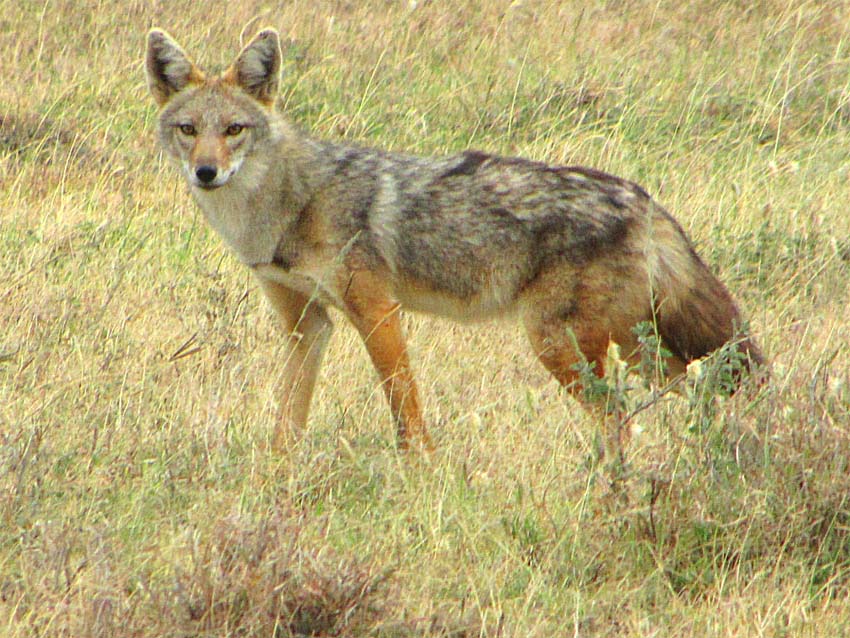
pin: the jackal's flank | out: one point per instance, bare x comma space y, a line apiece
579, 255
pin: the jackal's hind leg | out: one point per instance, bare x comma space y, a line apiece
566, 348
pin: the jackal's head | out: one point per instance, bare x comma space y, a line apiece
210, 125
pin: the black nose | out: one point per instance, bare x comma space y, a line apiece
206, 174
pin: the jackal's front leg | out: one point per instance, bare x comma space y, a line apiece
308, 328
373, 312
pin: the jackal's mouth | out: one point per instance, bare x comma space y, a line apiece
211, 186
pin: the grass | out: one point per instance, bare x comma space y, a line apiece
139, 364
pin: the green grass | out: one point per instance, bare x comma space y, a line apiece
139, 366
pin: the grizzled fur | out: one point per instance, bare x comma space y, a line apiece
579, 255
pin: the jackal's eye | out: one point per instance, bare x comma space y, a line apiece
187, 129
234, 129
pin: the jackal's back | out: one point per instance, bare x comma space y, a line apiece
478, 229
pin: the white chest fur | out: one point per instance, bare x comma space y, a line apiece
247, 220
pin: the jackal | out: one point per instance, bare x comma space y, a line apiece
579, 255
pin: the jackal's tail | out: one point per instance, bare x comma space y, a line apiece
695, 314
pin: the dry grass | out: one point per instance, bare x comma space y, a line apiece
139, 366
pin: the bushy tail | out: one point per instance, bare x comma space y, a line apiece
695, 314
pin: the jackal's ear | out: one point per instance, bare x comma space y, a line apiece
168, 67
257, 68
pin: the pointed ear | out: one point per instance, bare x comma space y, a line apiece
257, 68
168, 68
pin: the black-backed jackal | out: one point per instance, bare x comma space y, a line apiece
581, 256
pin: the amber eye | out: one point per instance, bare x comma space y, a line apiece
187, 129
234, 129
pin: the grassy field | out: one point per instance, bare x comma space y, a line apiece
139, 365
